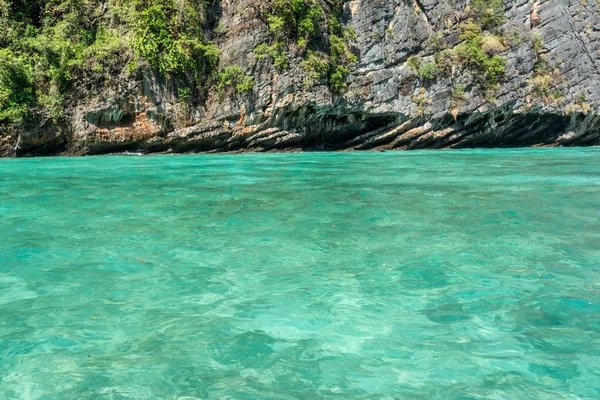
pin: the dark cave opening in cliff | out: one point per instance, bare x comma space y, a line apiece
335, 131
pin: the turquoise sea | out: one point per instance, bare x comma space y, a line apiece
408, 275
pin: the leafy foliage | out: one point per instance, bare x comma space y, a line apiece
276, 52
491, 44
458, 93
414, 63
428, 71
478, 53
295, 20
301, 27
16, 91
337, 78
167, 39
488, 67
54, 51
488, 13
316, 67
469, 30
444, 61
233, 78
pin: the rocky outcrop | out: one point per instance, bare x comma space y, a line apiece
387, 104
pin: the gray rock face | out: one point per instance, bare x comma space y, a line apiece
386, 104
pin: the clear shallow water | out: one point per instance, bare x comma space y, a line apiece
454, 275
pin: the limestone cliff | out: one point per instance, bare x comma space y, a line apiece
407, 88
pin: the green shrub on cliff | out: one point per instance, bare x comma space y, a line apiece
302, 28
165, 41
469, 31
429, 71
276, 51
292, 23
316, 67
488, 68
68, 49
50, 39
479, 53
295, 20
337, 78
488, 13
444, 61
458, 92
16, 90
414, 63
233, 79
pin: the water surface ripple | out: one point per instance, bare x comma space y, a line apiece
422, 275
